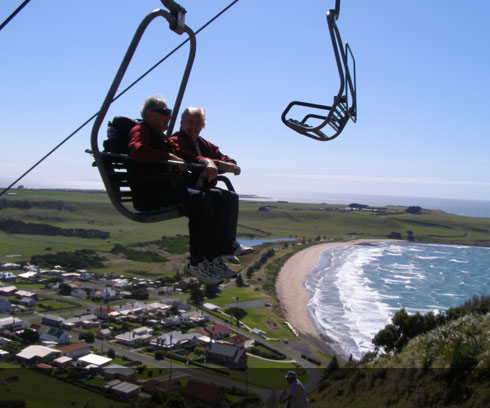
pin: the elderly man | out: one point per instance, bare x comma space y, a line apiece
296, 395
154, 185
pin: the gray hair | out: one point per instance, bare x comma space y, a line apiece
152, 102
194, 111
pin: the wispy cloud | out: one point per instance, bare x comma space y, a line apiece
378, 179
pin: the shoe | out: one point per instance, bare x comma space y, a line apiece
239, 249
218, 267
202, 271
232, 258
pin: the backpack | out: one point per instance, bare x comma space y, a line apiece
118, 130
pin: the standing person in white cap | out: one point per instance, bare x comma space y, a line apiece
296, 395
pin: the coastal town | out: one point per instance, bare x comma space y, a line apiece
132, 337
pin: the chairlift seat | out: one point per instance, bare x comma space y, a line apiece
344, 105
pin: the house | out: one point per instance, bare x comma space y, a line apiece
194, 317
5, 306
211, 307
237, 340
125, 389
85, 321
188, 282
75, 350
180, 306
107, 294
155, 385
225, 354
103, 312
11, 323
93, 360
116, 371
4, 355
29, 302
8, 290
62, 361
104, 334
7, 277
136, 337
53, 320
37, 354
19, 294
78, 293
174, 340
258, 332
208, 393
10, 265
217, 331
55, 334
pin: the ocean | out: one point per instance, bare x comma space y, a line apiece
356, 289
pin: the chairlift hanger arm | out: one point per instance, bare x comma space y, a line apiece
179, 13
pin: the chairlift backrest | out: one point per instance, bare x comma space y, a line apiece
344, 106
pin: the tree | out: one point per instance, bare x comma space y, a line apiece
174, 400
332, 366
197, 296
158, 355
29, 336
64, 289
236, 312
88, 337
239, 281
111, 353
414, 209
211, 291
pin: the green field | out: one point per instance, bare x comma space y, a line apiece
42, 391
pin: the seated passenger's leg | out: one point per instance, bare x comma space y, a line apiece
198, 207
223, 224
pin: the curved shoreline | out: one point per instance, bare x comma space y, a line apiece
292, 295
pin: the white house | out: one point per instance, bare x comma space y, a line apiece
79, 293
93, 360
107, 294
136, 337
55, 334
35, 354
11, 324
7, 277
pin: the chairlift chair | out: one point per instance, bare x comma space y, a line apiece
344, 105
113, 168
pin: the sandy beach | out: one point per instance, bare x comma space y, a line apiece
291, 293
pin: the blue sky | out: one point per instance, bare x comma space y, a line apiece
422, 77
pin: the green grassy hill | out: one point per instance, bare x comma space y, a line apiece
446, 366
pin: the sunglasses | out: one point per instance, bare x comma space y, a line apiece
163, 111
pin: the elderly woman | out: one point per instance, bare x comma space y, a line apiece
153, 185
193, 148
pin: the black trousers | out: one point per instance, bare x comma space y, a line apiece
212, 213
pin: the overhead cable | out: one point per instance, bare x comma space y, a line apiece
115, 98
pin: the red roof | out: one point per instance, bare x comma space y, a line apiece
44, 366
202, 391
73, 347
216, 329
237, 339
